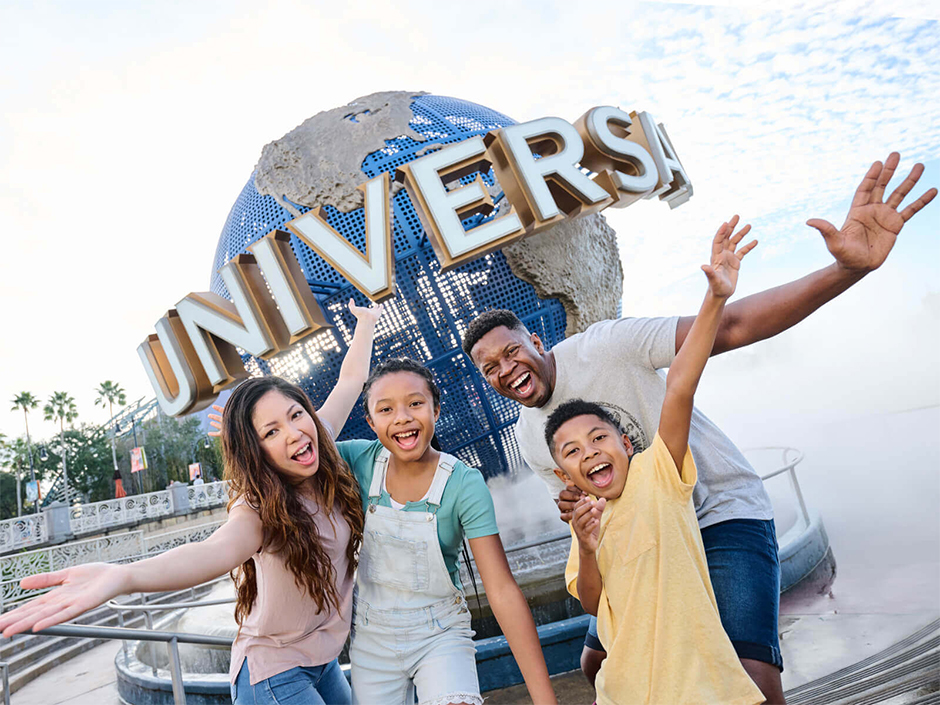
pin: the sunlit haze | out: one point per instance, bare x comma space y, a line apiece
128, 131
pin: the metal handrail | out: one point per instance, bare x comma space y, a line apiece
789, 467
5, 667
171, 639
168, 605
149, 609
786, 465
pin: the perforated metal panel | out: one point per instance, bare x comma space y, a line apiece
431, 309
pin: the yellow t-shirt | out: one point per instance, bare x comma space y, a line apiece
657, 615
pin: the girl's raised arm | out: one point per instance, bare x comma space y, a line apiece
354, 371
512, 612
352, 374
84, 587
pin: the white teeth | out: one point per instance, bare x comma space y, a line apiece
597, 468
301, 451
519, 382
406, 434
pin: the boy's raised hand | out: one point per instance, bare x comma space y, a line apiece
722, 272
586, 521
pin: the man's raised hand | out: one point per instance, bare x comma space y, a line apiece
872, 226
726, 258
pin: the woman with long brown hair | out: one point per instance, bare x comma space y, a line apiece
291, 540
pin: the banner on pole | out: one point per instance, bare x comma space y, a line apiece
195, 470
138, 459
32, 491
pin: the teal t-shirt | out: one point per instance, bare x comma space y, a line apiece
466, 506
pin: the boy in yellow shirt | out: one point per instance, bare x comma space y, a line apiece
638, 558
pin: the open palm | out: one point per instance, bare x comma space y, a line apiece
80, 589
722, 271
872, 225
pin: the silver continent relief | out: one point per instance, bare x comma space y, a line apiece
319, 163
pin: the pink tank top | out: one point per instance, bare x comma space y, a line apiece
284, 628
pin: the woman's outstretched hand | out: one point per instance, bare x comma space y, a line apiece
81, 588
215, 421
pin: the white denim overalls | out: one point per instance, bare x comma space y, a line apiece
411, 624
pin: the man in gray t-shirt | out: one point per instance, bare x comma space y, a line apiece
615, 363
627, 353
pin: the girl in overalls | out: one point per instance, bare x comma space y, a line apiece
411, 623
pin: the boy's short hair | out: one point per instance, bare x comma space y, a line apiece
487, 321
571, 409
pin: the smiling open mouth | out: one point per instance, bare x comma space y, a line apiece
406, 439
601, 475
522, 385
304, 456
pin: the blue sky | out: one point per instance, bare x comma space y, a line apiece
128, 130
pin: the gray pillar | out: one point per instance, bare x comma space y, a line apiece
58, 521
179, 495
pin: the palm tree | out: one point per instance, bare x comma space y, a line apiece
108, 393
3, 453
26, 401
61, 408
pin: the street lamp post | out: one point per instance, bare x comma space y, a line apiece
206, 445
117, 428
32, 474
19, 500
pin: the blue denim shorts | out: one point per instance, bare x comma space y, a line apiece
745, 574
301, 685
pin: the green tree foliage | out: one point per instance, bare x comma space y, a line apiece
14, 456
26, 401
171, 444
7, 493
61, 408
110, 393
88, 450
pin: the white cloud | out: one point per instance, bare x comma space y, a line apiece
126, 138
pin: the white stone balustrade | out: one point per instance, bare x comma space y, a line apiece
116, 548
211, 494
114, 512
171, 539
23, 531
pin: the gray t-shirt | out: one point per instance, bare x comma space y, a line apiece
614, 364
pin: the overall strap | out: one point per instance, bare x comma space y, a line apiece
378, 474
445, 466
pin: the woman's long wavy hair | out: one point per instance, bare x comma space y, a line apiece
288, 529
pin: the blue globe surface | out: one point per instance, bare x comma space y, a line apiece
431, 309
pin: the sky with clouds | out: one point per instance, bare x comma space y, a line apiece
128, 130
